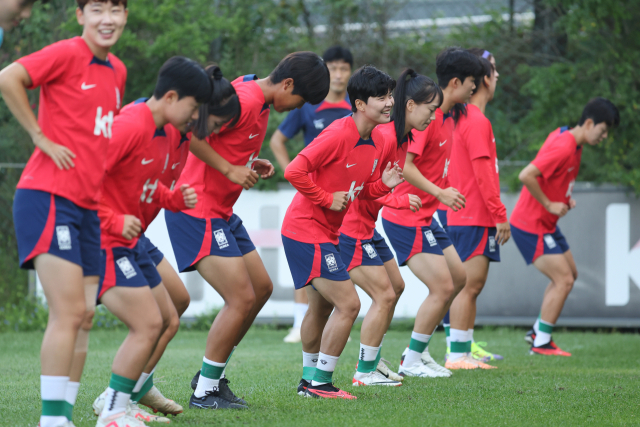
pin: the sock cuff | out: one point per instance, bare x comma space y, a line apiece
368, 347
545, 326
321, 376
326, 356
212, 370
458, 347
212, 363
121, 384
420, 337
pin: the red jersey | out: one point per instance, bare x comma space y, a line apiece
337, 160
431, 158
360, 220
79, 97
138, 157
239, 145
559, 162
473, 140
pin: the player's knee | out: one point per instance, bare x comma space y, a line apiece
264, 291
87, 320
244, 301
387, 298
459, 281
174, 324
398, 288
350, 308
72, 316
182, 303
566, 283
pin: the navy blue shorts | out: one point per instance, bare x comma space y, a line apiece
409, 241
156, 255
308, 261
46, 223
441, 217
471, 241
357, 252
129, 267
195, 238
532, 246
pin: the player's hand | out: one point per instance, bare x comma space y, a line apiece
61, 155
190, 196
452, 198
414, 203
243, 176
340, 199
558, 208
264, 168
572, 203
503, 233
132, 227
392, 176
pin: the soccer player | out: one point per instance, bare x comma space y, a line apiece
546, 197
313, 119
477, 231
211, 238
329, 174
56, 202
12, 12
130, 285
418, 240
367, 256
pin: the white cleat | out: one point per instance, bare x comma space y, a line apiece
98, 404
383, 369
419, 370
119, 420
158, 403
293, 336
373, 378
133, 411
432, 364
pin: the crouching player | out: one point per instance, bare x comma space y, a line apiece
546, 197
329, 174
130, 285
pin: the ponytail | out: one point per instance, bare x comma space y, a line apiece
224, 103
411, 85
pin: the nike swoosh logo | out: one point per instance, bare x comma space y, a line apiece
253, 136
146, 162
348, 165
442, 143
570, 169
86, 86
173, 166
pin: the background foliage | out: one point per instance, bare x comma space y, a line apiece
549, 67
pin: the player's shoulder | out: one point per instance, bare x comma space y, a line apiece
135, 120
63, 51
561, 139
117, 64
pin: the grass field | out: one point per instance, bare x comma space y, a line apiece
599, 385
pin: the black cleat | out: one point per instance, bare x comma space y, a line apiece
212, 400
302, 387
227, 394
194, 381
530, 336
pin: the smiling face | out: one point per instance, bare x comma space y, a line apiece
418, 116
13, 11
103, 24
377, 109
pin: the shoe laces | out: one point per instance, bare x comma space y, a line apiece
215, 392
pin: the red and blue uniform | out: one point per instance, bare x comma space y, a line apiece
337, 160
360, 242
212, 228
533, 228
411, 233
313, 119
474, 172
138, 156
55, 211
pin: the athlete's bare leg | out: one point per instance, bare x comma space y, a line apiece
82, 341
561, 269
300, 296
315, 321
170, 325
397, 282
463, 309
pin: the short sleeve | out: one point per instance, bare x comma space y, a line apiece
292, 124
551, 159
421, 139
325, 148
48, 64
479, 139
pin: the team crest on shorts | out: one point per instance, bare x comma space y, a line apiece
548, 239
221, 238
430, 238
370, 251
64, 237
492, 244
332, 265
126, 267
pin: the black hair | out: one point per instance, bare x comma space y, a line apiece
82, 3
224, 103
309, 73
338, 53
600, 110
455, 62
367, 81
186, 77
488, 69
412, 85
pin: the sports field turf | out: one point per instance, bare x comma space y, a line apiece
599, 385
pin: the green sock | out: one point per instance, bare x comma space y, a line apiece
144, 390
459, 347
322, 377
308, 373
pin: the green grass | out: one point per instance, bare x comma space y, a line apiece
599, 385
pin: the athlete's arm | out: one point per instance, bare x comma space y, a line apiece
528, 176
450, 196
483, 170
181, 198
14, 80
240, 175
277, 144
297, 173
406, 201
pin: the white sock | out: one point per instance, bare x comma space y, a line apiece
457, 336
536, 325
325, 363
470, 332
115, 403
414, 356
53, 389
309, 360
299, 310
141, 381
368, 353
542, 338
71, 394
208, 384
